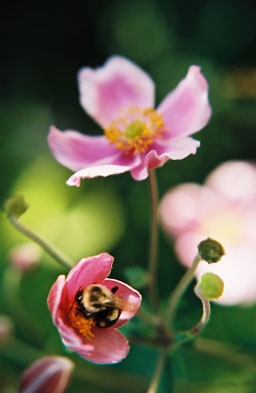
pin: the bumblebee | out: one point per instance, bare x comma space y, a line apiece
100, 304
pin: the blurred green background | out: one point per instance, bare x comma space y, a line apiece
43, 47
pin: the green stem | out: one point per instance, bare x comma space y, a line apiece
112, 380
154, 384
225, 351
205, 314
153, 241
179, 291
35, 238
19, 352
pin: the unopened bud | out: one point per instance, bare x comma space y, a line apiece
211, 286
15, 206
210, 250
25, 257
49, 374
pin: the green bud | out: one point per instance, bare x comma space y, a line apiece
210, 250
211, 286
15, 206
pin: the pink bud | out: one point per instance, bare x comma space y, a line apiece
25, 257
49, 374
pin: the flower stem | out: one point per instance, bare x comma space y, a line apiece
179, 291
154, 384
35, 238
153, 241
206, 312
19, 352
225, 351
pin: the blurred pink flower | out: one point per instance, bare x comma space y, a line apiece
49, 374
223, 209
120, 98
25, 257
84, 314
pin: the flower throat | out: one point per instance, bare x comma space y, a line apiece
135, 130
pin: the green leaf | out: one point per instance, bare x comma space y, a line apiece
137, 276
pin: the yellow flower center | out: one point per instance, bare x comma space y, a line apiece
135, 130
78, 321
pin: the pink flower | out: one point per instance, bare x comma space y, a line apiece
87, 308
25, 257
120, 98
223, 209
49, 374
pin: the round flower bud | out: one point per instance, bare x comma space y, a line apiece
210, 250
15, 206
211, 286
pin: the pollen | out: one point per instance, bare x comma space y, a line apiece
78, 321
135, 130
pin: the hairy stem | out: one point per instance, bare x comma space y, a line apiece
154, 384
153, 241
205, 314
225, 351
179, 291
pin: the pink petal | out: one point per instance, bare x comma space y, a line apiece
49, 374
185, 207
55, 296
172, 149
179, 208
58, 303
83, 348
131, 297
104, 170
72, 339
76, 151
239, 173
118, 84
90, 156
186, 109
88, 271
249, 222
109, 346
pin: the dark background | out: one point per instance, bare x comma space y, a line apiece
42, 47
